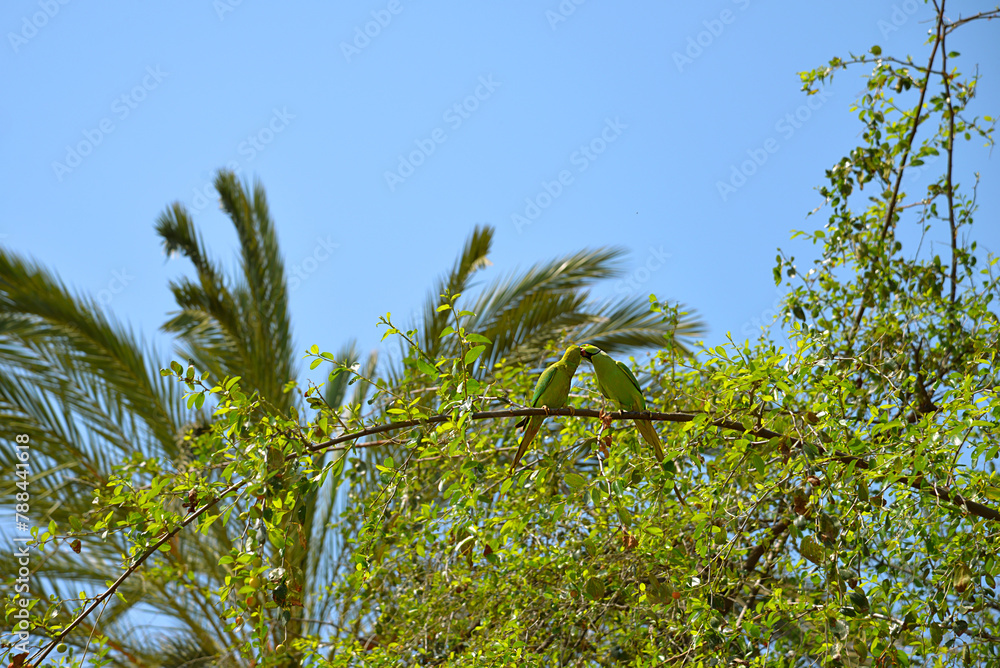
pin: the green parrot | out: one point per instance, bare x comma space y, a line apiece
551, 391
617, 383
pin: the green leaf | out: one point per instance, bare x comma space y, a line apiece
859, 600
861, 649
477, 338
575, 480
624, 516
473, 353
427, 368
594, 589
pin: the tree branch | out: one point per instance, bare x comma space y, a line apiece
915, 482
44, 652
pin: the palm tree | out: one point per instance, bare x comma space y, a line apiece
85, 390
88, 391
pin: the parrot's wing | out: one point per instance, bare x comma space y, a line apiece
631, 377
544, 382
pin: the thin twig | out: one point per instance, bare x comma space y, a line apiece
891, 212
44, 652
951, 152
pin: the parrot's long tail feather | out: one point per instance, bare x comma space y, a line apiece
645, 428
529, 436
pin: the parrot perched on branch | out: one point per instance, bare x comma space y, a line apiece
617, 383
551, 391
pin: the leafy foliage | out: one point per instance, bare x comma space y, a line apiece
124, 460
830, 501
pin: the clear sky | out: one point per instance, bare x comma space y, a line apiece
384, 130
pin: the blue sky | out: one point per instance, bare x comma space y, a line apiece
384, 131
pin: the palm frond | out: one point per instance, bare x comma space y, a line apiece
72, 333
570, 273
264, 276
618, 327
520, 333
176, 229
472, 259
242, 328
